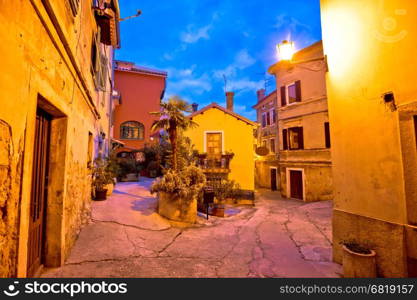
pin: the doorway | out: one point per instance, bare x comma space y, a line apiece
39, 192
273, 179
296, 184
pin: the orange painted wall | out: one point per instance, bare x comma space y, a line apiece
140, 94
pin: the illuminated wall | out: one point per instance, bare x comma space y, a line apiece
371, 46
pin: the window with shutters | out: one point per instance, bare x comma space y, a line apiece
293, 138
132, 130
99, 64
268, 118
263, 120
273, 116
327, 134
291, 93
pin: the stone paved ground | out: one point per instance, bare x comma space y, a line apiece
276, 238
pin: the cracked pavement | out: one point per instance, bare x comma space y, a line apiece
276, 238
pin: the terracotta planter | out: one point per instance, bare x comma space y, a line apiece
101, 195
110, 188
175, 208
218, 211
358, 265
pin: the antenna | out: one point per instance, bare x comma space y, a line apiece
225, 83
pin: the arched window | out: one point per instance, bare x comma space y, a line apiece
132, 130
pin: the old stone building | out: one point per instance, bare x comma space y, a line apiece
141, 91
266, 166
372, 92
54, 109
303, 126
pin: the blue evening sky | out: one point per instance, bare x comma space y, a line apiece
198, 42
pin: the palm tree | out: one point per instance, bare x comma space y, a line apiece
173, 120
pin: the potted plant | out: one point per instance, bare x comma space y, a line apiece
182, 182
359, 260
223, 189
177, 193
101, 177
114, 169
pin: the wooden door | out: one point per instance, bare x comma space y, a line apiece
273, 179
296, 184
214, 144
39, 192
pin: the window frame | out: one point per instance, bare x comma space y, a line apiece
272, 141
141, 126
287, 93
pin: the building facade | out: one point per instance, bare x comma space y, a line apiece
54, 101
303, 126
225, 141
372, 92
140, 91
266, 166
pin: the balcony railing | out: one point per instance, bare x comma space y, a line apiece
215, 164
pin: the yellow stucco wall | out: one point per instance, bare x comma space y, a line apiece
366, 60
238, 138
370, 47
36, 63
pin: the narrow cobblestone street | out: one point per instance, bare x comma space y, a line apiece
276, 238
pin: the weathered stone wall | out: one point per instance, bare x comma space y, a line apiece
263, 173
38, 71
10, 170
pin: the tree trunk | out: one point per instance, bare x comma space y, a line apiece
173, 140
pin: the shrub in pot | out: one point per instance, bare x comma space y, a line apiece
359, 260
177, 193
101, 178
223, 189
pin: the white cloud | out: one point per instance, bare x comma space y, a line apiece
241, 61
193, 35
245, 84
290, 23
187, 83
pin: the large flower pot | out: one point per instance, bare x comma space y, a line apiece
358, 265
110, 188
101, 195
176, 208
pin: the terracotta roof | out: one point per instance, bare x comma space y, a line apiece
225, 110
131, 67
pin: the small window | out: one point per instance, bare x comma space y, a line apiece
263, 120
272, 145
295, 138
268, 118
291, 93
327, 134
132, 130
273, 116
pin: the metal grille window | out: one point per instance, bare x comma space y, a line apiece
132, 130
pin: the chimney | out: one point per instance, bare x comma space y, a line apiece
195, 107
229, 100
261, 94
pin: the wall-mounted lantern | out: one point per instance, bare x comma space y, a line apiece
286, 50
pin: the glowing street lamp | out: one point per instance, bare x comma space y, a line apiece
286, 50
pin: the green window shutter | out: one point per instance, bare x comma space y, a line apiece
103, 71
